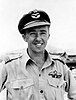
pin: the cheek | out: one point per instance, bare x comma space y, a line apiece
46, 39
29, 40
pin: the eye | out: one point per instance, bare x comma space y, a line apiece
32, 34
43, 33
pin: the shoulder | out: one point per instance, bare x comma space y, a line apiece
59, 60
56, 58
9, 57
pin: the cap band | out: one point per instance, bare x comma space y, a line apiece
35, 23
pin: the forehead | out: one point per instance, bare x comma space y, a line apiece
38, 28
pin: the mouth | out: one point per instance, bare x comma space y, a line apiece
38, 44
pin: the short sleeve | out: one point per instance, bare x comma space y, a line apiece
3, 75
71, 82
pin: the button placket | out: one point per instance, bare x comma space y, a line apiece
42, 97
41, 91
41, 85
39, 75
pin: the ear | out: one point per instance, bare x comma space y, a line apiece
48, 36
24, 37
48, 32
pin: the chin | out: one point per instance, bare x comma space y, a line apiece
38, 51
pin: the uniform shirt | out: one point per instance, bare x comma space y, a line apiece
23, 81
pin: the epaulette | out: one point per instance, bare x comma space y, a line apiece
56, 57
11, 56
58, 60
7, 61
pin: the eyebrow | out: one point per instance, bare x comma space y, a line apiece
43, 30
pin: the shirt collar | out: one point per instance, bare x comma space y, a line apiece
25, 57
48, 59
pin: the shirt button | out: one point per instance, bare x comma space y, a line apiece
57, 86
39, 74
21, 87
41, 91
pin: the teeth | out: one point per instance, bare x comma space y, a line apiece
38, 44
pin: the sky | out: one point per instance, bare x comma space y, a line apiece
63, 24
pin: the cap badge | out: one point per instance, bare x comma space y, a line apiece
35, 15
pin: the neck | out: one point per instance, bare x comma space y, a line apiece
34, 54
38, 57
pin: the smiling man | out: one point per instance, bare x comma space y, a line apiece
37, 38
33, 74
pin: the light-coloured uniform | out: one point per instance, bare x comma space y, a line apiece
23, 81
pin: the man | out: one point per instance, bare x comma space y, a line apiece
32, 74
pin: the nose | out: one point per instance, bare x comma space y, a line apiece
38, 37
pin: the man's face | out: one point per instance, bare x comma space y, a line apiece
37, 38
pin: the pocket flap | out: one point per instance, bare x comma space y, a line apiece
22, 83
53, 82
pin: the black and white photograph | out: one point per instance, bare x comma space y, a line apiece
37, 49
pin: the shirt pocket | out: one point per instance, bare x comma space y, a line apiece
21, 88
57, 86
56, 82
52, 81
